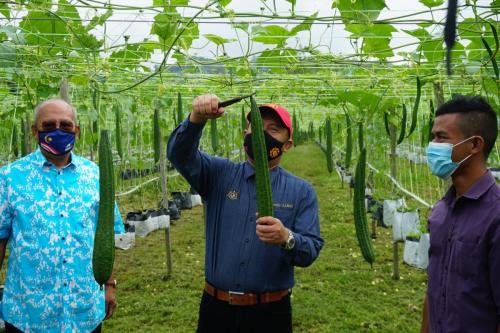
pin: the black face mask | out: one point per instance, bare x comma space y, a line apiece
274, 148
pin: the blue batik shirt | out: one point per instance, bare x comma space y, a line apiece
235, 258
49, 217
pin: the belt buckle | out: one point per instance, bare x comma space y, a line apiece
231, 293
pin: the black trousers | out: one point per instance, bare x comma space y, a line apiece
217, 316
12, 329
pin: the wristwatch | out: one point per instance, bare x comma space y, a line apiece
112, 283
290, 242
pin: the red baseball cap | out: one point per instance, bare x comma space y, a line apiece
281, 112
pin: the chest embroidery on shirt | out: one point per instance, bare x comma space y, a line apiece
233, 195
283, 205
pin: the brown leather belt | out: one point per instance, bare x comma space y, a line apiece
239, 298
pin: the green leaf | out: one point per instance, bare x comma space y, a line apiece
130, 56
373, 42
165, 25
217, 39
99, 19
495, 6
271, 34
241, 26
431, 3
224, 3
433, 50
359, 10
420, 33
4, 10
42, 28
305, 25
7, 55
191, 33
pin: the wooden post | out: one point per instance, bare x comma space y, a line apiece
395, 260
64, 90
374, 228
164, 204
393, 157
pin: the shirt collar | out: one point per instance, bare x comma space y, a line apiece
40, 160
480, 187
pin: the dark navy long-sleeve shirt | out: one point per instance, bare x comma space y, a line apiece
464, 260
236, 259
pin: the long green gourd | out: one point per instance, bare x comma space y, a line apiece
243, 120
360, 222
179, 108
403, 125
15, 139
156, 135
104, 239
414, 116
348, 146
213, 135
386, 123
329, 144
24, 139
360, 136
262, 178
118, 131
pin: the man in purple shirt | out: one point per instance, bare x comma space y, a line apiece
463, 292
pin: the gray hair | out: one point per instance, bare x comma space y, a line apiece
41, 105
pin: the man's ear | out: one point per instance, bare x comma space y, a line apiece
287, 145
77, 131
34, 131
477, 145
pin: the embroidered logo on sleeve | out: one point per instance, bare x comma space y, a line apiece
233, 195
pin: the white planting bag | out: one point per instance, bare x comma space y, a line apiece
405, 224
144, 228
125, 241
423, 251
410, 252
196, 200
390, 207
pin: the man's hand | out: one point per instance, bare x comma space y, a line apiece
205, 107
111, 303
270, 230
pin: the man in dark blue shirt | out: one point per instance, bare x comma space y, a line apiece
249, 261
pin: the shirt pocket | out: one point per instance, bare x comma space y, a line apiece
466, 259
285, 215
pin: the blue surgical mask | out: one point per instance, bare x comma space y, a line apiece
439, 158
56, 142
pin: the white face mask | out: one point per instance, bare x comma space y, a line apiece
439, 158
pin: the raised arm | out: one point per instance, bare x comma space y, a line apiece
197, 167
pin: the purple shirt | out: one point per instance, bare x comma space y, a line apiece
464, 260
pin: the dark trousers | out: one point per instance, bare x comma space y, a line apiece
219, 317
12, 329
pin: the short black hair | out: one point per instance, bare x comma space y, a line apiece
477, 117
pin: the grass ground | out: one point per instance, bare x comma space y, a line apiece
338, 293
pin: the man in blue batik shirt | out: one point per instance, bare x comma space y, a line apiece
48, 212
249, 261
